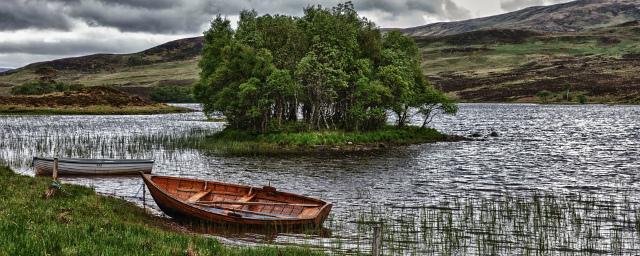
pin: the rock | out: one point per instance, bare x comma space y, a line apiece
349, 143
494, 134
476, 135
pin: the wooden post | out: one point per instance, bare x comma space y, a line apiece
55, 168
144, 197
376, 246
51, 191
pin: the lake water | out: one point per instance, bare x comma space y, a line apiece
563, 151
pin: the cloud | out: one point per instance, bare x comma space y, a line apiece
18, 48
180, 16
17, 14
513, 5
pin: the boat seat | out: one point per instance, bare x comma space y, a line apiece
246, 198
197, 196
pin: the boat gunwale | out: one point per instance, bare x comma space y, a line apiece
96, 161
149, 177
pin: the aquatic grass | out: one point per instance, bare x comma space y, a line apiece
539, 224
81, 222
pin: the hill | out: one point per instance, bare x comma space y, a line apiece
512, 66
4, 69
589, 46
568, 17
173, 63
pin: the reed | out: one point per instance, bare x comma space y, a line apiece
506, 225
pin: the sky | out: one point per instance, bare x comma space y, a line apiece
40, 30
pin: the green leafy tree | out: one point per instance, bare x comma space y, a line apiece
331, 66
169, 93
435, 102
216, 39
544, 96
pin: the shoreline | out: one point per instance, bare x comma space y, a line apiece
80, 221
93, 110
232, 142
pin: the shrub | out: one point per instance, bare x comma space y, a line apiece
172, 93
582, 99
42, 87
544, 95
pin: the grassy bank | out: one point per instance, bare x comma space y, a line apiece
92, 110
84, 223
247, 143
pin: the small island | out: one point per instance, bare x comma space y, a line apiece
328, 80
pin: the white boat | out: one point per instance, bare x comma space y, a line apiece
75, 166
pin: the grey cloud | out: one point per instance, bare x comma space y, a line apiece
444, 9
24, 14
187, 16
177, 19
513, 5
71, 46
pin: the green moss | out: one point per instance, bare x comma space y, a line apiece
84, 223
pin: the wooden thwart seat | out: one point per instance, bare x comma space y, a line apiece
197, 196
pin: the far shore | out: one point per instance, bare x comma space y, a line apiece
92, 110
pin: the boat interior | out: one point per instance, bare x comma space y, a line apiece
240, 201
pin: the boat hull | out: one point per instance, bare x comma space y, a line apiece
179, 209
67, 166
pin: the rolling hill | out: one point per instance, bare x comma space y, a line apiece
173, 63
568, 17
588, 47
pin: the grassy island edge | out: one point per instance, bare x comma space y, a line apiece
236, 142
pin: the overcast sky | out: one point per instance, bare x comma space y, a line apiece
39, 30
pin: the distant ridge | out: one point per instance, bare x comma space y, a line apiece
4, 69
181, 49
568, 17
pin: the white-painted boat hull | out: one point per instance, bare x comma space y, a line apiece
70, 166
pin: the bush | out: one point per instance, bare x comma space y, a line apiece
171, 93
544, 95
40, 87
582, 99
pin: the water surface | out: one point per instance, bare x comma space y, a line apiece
558, 150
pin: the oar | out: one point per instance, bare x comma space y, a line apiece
257, 203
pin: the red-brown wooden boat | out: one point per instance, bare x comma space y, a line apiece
225, 203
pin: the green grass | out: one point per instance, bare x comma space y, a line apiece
92, 110
241, 142
84, 223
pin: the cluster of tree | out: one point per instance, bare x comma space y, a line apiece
172, 93
42, 87
46, 83
329, 69
546, 96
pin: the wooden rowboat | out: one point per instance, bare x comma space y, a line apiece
74, 166
224, 203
